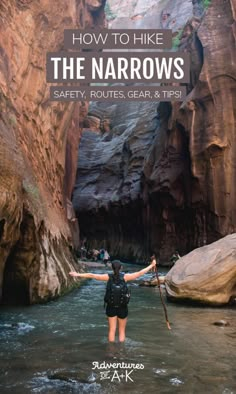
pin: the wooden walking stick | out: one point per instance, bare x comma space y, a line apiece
162, 300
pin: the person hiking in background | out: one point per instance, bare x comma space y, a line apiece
95, 254
153, 259
101, 254
117, 296
83, 249
176, 256
106, 257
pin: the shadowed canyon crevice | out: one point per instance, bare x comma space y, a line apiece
155, 177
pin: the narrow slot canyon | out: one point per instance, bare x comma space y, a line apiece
135, 178
117, 217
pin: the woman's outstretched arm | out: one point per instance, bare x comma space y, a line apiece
136, 275
89, 275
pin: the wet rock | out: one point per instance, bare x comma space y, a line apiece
153, 282
15, 325
73, 377
207, 274
221, 323
148, 283
67, 377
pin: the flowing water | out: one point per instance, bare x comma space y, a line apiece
52, 348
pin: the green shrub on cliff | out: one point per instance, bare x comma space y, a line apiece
12, 120
109, 14
206, 3
31, 189
176, 39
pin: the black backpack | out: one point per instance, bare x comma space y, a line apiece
117, 292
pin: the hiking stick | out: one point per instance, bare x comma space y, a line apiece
162, 300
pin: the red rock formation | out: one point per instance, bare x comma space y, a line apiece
38, 149
191, 180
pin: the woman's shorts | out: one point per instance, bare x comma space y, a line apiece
121, 312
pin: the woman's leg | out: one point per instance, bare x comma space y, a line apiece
112, 321
122, 325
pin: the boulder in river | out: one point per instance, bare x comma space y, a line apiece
153, 282
207, 274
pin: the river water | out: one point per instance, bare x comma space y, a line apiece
52, 348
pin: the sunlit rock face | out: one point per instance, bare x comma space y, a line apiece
38, 150
186, 168
206, 275
150, 14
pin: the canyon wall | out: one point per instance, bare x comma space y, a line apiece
38, 150
191, 180
146, 187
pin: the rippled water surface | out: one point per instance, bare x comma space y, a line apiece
51, 348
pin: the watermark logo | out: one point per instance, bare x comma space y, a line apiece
117, 372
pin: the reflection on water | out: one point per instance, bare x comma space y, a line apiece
51, 348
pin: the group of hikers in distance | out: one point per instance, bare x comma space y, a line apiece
117, 295
93, 254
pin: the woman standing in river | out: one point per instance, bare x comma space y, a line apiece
114, 313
